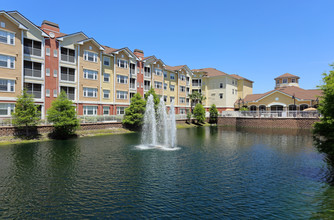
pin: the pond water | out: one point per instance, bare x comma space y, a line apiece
217, 173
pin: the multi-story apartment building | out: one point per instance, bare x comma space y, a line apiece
100, 80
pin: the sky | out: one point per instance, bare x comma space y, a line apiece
256, 39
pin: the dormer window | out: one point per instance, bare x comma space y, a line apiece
277, 81
285, 80
293, 80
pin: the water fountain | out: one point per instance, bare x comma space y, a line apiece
159, 129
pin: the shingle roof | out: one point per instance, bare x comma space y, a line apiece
299, 93
109, 50
210, 72
240, 77
287, 75
174, 68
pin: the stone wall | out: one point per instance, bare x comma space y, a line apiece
298, 123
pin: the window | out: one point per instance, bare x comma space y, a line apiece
147, 71
55, 73
132, 84
90, 92
122, 95
277, 81
182, 100
106, 77
7, 85
221, 85
165, 86
47, 52
157, 85
293, 80
6, 37
122, 63
106, 94
182, 77
67, 74
3, 24
122, 79
90, 56
165, 74
55, 53
158, 72
32, 47
47, 71
182, 88
32, 69
47, 92
7, 61
172, 76
120, 110
165, 98
147, 85
6, 109
90, 74
106, 61
171, 99
55, 93
285, 80
172, 88
131, 95
34, 89
90, 110
221, 95
182, 111
67, 55
70, 92
106, 110
196, 82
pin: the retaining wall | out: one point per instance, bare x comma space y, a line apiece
297, 123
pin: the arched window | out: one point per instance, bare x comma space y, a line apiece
253, 108
292, 107
275, 108
303, 106
262, 108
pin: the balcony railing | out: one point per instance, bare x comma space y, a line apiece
132, 71
32, 51
196, 84
147, 74
132, 86
271, 114
35, 94
67, 58
147, 87
32, 73
67, 77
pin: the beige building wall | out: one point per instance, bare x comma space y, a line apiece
156, 78
171, 82
107, 85
182, 83
213, 91
89, 65
245, 88
124, 72
14, 51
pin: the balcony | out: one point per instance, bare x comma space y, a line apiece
32, 51
147, 74
70, 96
147, 87
35, 94
67, 77
132, 86
197, 84
67, 58
32, 73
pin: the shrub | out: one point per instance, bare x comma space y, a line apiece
199, 113
213, 114
134, 114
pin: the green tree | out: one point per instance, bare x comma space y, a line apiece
189, 116
134, 114
195, 98
199, 113
324, 130
213, 114
63, 116
243, 109
26, 113
155, 98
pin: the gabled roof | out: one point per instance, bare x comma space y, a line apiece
116, 51
93, 40
240, 77
174, 68
21, 26
298, 93
27, 20
154, 60
287, 75
72, 35
210, 72
109, 50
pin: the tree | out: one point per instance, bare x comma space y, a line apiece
195, 98
324, 130
26, 113
213, 114
199, 113
189, 116
63, 116
134, 114
243, 109
155, 98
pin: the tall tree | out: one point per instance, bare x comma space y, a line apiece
195, 98
199, 113
26, 113
134, 114
324, 130
213, 114
63, 116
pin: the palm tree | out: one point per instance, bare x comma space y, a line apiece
195, 98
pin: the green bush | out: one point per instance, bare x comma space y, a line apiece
213, 114
199, 113
134, 114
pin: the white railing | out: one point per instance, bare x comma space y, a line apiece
100, 118
271, 114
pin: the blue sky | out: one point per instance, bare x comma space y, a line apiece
259, 39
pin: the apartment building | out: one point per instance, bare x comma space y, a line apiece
100, 80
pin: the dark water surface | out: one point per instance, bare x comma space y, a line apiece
218, 173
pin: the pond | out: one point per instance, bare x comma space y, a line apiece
216, 173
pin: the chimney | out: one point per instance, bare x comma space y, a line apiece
49, 26
139, 53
